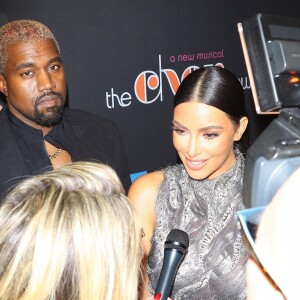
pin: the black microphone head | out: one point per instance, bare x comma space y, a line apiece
177, 239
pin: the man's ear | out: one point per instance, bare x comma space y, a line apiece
3, 85
241, 129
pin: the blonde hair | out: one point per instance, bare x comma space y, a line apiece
22, 31
69, 234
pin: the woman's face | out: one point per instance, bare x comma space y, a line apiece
203, 137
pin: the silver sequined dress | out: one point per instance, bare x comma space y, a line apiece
214, 267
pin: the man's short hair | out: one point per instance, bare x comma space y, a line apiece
22, 31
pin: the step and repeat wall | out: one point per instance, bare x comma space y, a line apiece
125, 59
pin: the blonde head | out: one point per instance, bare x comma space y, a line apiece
22, 31
69, 234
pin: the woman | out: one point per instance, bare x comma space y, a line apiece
69, 234
201, 195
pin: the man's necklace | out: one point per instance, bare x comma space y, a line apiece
55, 154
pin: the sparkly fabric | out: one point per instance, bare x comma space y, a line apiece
214, 267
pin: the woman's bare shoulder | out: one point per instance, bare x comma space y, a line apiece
142, 194
145, 186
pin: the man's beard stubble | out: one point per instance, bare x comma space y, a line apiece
54, 114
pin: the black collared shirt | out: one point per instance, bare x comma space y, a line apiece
85, 136
31, 143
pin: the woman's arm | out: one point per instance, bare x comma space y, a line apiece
142, 194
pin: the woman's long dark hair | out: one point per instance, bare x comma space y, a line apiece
217, 87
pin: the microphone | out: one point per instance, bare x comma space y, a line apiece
176, 246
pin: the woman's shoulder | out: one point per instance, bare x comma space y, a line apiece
142, 194
146, 185
150, 182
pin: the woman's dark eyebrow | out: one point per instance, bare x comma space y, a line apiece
201, 129
178, 124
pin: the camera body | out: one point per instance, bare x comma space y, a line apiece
272, 158
271, 47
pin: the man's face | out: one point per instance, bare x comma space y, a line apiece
34, 84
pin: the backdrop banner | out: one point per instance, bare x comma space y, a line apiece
125, 59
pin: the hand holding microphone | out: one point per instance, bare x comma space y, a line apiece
176, 246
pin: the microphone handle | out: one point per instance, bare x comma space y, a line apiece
172, 258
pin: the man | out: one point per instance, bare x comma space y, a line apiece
36, 131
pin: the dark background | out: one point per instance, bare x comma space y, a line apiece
105, 45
